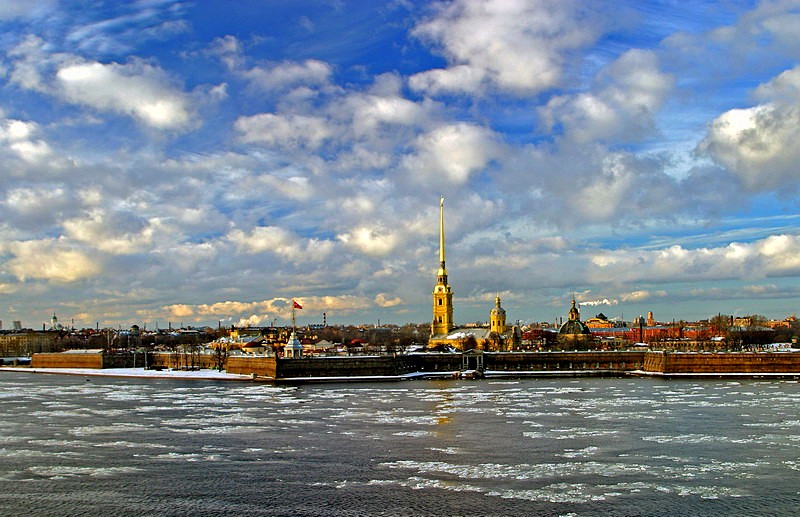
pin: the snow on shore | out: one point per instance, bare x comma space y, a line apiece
134, 372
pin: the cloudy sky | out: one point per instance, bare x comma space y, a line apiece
208, 161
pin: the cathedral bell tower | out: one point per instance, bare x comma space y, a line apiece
497, 318
442, 295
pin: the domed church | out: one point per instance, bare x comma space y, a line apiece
574, 334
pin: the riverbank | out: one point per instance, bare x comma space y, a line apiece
135, 373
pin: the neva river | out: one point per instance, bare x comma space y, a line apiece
623, 446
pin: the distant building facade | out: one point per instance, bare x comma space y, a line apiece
600, 321
24, 344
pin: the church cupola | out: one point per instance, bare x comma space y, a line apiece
497, 318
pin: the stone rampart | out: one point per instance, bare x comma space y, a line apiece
578, 360
261, 366
178, 360
433, 362
92, 360
346, 366
602, 362
722, 362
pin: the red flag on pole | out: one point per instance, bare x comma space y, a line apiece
297, 305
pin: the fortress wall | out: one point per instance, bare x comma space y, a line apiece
357, 366
180, 360
433, 362
654, 362
260, 365
67, 361
733, 362
584, 360
348, 366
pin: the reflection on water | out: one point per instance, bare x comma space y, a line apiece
545, 447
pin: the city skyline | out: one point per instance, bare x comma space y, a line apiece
209, 162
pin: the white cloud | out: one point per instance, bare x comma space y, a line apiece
18, 135
642, 295
54, 260
371, 112
774, 256
374, 241
256, 312
784, 88
384, 300
291, 131
281, 242
453, 152
137, 89
283, 76
758, 145
605, 193
310, 72
117, 234
516, 46
628, 94
25, 203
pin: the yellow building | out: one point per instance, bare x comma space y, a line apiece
19, 344
599, 322
497, 318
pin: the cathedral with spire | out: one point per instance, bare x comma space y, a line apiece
442, 294
444, 333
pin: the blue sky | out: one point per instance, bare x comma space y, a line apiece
204, 162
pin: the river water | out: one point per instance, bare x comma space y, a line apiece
618, 446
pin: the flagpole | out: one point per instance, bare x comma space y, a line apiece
294, 328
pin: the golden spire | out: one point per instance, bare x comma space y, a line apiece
442, 269
442, 295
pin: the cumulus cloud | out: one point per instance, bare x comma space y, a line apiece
452, 152
281, 242
774, 256
258, 312
24, 205
519, 47
758, 145
635, 296
371, 112
384, 300
137, 89
19, 137
627, 95
281, 76
375, 241
290, 131
605, 186
116, 234
53, 260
